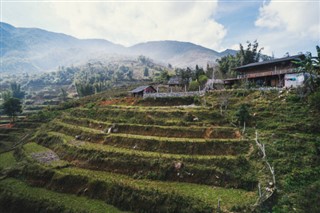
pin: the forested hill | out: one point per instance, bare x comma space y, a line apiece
37, 50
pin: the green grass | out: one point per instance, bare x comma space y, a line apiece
207, 194
204, 169
177, 140
7, 160
112, 149
32, 148
157, 130
19, 193
150, 116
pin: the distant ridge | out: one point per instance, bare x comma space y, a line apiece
37, 50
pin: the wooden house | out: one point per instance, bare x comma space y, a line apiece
270, 73
175, 81
139, 91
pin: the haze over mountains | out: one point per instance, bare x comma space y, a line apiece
37, 50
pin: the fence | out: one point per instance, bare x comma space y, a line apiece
173, 94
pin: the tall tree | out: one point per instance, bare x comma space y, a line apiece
11, 107
16, 90
249, 55
228, 63
311, 65
146, 72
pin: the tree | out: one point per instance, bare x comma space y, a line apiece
194, 86
311, 65
226, 65
184, 74
203, 80
198, 72
6, 95
251, 54
224, 100
16, 90
84, 89
243, 115
146, 72
11, 107
63, 94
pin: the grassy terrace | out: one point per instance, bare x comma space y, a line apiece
142, 195
17, 196
189, 146
206, 194
111, 149
159, 117
72, 130
7, 160
34, 152
157, 130
205, 169
154, 143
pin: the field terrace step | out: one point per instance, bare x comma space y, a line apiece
76, 131
17, 196
191, 146
139, 195
142, 115
224, 171
156, 130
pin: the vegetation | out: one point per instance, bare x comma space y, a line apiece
172, 159
17, 196
16, 91
227, 64
311, 65
12, 107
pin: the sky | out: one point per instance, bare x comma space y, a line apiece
279, 26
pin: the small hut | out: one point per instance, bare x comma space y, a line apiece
175, 81
139, 91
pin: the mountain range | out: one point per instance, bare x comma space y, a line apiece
37, 50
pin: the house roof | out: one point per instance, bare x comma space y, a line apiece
175, 80
274, 61
139, 89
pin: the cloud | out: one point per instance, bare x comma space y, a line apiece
130, 23
301, 18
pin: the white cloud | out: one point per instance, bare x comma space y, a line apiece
130, 23
301, 18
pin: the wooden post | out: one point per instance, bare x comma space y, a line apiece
259, 188
218, 207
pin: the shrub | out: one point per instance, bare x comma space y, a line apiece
194, 86
314, 100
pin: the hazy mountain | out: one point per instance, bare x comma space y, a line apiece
31, 49
179, 54
228, 52
37, 50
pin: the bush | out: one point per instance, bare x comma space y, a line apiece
314, 100
194, 86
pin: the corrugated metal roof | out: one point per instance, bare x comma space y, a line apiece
139, 89
274, 61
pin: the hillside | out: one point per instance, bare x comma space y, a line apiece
179, 54
158, 156
37, 50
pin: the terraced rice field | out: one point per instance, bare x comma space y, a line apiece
139, 159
